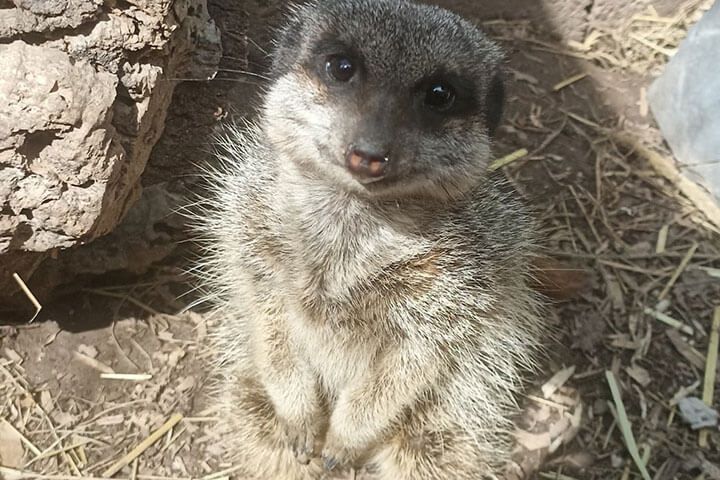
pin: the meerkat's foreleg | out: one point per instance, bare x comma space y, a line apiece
364, 412
291, 387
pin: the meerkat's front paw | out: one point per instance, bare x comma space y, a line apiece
337, 453
300, 439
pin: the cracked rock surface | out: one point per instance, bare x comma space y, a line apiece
85, 86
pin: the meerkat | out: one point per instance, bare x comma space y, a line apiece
372, 280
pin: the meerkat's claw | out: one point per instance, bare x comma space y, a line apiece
329, 462
316, 469
336, 458
301, 441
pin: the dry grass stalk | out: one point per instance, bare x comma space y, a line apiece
569, 81
142, 446
644, 42
680, 269
507, 160
668, 320
625, 426
93, 363
662, 239
130, 377
33, 299
665, 166
711, 370
120, 296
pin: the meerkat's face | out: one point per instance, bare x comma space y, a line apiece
385, 97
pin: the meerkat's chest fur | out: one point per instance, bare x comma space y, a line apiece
335, 248
338, 244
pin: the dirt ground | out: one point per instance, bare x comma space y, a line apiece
646, 316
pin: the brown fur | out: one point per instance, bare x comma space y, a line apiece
379, 326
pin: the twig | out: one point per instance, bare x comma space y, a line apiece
131, 377
668, 320
33, 299
710, 370
142, 446
64, 455
701, 199
52, 453
669, 52
92, 363
569, 81
681, 268
662, 239
507, 160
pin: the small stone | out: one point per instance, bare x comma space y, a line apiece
698, 415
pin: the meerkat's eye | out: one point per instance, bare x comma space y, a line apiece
440, 96
340, 68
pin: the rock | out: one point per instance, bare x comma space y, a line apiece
145, 236
32, 16
685, 101
58, 149
84, 90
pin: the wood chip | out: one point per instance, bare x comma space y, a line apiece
695, 358
11, 446
533, 441
557, 381
639, 374
13, 356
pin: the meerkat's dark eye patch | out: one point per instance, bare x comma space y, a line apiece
440, 96
447, 94
335, 61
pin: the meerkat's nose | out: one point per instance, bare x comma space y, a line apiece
366, 166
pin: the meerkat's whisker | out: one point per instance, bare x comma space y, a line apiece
373, 286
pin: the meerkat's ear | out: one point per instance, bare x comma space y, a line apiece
495, 102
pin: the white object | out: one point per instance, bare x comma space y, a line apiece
685, 101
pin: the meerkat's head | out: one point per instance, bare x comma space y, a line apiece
385, 98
